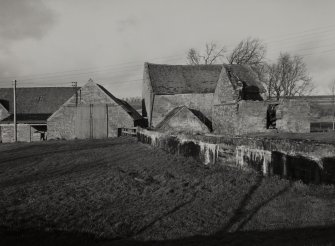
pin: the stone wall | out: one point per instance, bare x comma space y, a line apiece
90, 93
240, 118
251, 117
224, 92
185, 121
147, 94
61, 125
176, 144
294, 116
163, 104
225, 119
309, 161
73, 119
118, 118
248, 116
25, 133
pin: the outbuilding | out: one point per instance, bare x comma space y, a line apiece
34, 105
92, 112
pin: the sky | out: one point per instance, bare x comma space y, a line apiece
56, 42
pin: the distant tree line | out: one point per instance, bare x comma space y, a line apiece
288, 76
135, 102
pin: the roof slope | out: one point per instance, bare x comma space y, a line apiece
183, 79
35, 100
245, 74
27, 118
129, 109
169, 116
183, 109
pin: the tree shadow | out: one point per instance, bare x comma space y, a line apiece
242, 216
239, 212
171, 211
316, 235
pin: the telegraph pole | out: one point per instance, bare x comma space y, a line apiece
333, 102
14, 109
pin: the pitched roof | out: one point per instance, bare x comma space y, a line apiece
129, 109
172, 113
245, 74
35, 100
177, 110
182, 79
27, 118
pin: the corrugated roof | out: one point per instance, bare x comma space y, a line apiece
183, 79
35, 100
245, 74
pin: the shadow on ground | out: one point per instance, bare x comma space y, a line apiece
231, 234
321, 235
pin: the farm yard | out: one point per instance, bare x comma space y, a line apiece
121, 192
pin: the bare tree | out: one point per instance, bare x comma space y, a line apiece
249, 51
213, 54
193, 57
288, 77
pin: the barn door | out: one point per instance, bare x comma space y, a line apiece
82, 122
91, 121
99, 121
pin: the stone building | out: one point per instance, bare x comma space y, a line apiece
239, 108
225, 99
166, 87
33, 106
92, 112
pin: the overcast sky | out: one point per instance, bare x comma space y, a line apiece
54, 42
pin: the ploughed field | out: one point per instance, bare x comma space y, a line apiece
121, 192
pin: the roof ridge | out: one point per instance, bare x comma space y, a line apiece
184, 65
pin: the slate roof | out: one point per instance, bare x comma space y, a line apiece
245, 74
129, 109
27, 118
35, 100
183, 79
34, 103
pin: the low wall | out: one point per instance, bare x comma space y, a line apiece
207, 153
310, 161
